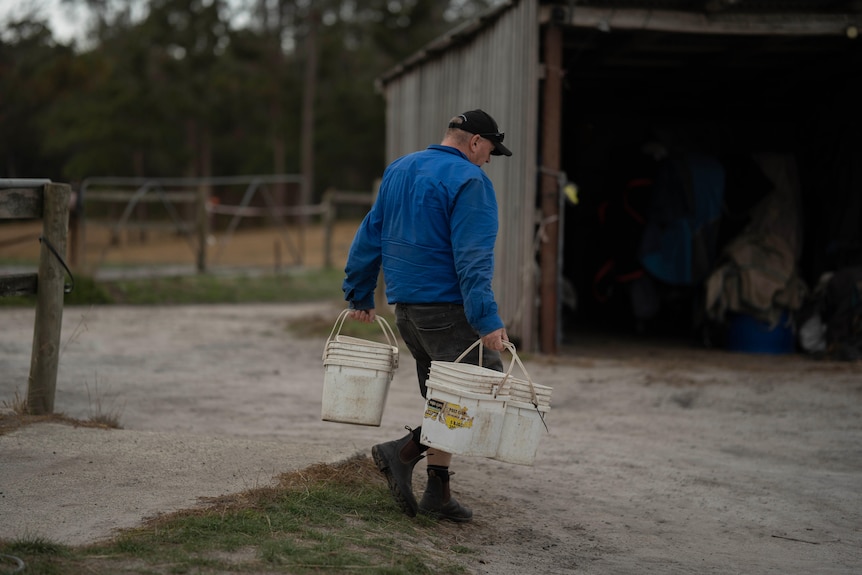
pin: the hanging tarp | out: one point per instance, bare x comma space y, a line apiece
679, 242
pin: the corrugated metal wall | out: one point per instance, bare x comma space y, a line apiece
496, 69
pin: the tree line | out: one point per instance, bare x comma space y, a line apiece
202, 88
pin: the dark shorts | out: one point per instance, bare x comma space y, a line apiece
440, 332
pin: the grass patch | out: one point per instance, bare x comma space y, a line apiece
85, 291
325, 519
308, 285
293, 286
322, 327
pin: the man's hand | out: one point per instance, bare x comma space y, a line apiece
495, 339
366, 315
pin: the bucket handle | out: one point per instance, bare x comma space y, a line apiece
511, 347
384, 325
478, 342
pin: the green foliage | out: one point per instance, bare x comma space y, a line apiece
33, 70
295, 286
38, 555
37, 546
84, 292
197, 88
308, 285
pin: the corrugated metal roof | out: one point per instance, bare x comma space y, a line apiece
732, 6
458, 35
706, 16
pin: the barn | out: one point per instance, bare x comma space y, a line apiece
678, 164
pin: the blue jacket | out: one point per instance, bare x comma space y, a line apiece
433, 229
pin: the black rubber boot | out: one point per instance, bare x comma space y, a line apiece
396, 460
438, 501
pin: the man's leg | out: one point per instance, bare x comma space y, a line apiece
440, 333
396, 460
437, 501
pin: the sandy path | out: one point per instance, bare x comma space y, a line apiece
659, 459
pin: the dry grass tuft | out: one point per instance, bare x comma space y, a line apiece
17, 405
357, 471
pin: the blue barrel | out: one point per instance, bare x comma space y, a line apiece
752, 335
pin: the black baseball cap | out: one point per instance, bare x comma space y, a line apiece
481, 123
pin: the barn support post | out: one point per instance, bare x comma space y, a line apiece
45, 356
550, 158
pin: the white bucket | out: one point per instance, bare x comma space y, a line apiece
352, 361
523, 426
346, 345
466, 372
347, 342
464, 407
356, 375
524, 421
365, 350
529, 392
462, 422
465, 382
354, 394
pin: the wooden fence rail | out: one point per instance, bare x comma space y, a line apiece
199, 194
126, 194
41, 199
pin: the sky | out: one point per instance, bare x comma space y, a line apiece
64, 21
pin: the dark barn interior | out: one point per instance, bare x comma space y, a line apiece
664, 127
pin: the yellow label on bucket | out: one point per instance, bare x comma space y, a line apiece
450, 414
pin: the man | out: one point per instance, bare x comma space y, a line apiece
432, 229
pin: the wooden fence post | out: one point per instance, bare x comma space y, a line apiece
203, 227
328, 223
49, 304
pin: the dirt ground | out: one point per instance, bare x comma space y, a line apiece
659, 459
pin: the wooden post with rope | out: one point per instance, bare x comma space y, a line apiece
331, 200
34, 199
